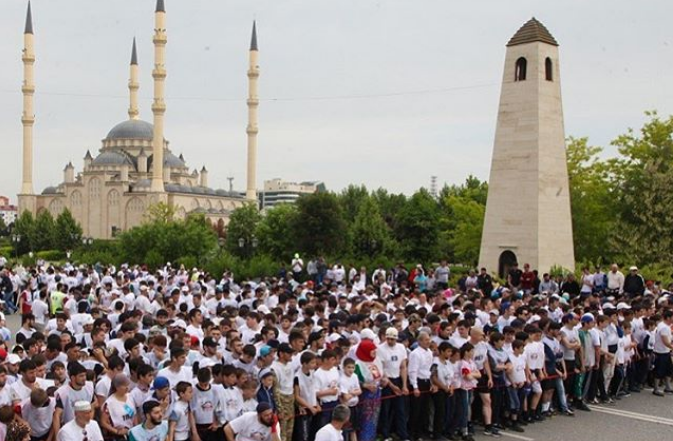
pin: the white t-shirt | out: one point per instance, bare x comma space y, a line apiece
326, 379
518, 373
348, 385
534, 352
73, 432
41, 312
38, 418
185, 374
180, 414
248, 428
329, 433
663, 330
391, 358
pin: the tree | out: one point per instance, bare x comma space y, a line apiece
418, 227
369, 232
44, 232
465, 239
160, 212
350, 200
241, 230
590, 189
67, 231
319, 225
24, 229
275, 231
389, 205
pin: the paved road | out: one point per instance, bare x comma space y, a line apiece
642, 416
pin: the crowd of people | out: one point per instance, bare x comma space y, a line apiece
324, 353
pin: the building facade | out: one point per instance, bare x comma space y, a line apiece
135, 167
277, 192
8, 212
528, 217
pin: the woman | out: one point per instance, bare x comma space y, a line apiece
370, 373
119, 414
421, 280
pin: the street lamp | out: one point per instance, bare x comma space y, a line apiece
241, 242
16, 239
87, 241
221, 242
245, 245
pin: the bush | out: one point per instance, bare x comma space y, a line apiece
92, 257
51, 255
189, 262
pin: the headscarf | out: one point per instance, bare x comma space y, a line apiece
364, 351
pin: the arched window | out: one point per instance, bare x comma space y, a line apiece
548, 70
520, 69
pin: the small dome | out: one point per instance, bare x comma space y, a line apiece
132, 129
170, 160
221, 192
112, 158
50, 190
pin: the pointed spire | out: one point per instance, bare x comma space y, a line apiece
253, 40
160, 6
142, 153
134, 53
88, 155
29, 21
203, 169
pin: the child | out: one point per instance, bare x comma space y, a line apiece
161, 392
265, 392
230, 398
516, 379
249, 394
142, 391
349, 387
469, 377
327, 385
442, 378
534, 352
181, 421
38, 411
305, 397
204, 405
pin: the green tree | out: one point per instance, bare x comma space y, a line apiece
389, 205
593, 216
418, 227
160, 212
369, 231
351, 199
319, 225
465, 239
24, 229
242, 228
44, 232
67, 231
275, 232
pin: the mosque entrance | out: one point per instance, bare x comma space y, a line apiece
506, 262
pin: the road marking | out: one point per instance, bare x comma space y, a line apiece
521, 437
634, 415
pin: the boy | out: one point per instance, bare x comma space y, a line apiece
349, 387
516, 377
230, 398
265, 391
204, 403
326, 383
305, 397
181, 421
38, 411
442, 374
249, 394
142, 391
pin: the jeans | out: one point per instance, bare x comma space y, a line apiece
561, 393
393, 411
463, 398
8, 297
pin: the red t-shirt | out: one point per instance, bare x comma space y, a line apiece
527, 279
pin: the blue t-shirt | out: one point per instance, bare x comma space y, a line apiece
140, 433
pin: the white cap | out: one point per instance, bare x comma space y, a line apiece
333, 337
622, 305
494, 312
179, 324
368, 334
391, 333
633, 268
82, 406
608, 305
13, 359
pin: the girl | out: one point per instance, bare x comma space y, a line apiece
469, 375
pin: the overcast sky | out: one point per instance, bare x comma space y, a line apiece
385, 93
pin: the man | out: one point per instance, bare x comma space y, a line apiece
514, 277
254, 426
527, 279
485, 282
176, 371
27, 328
21, 389
67, 396
548, 285
615, 280
634, 285
284, 390
333, 430
153, 429
82, 427
393, 356
442, 274
297, 267
420, 364
663, 365
572, 355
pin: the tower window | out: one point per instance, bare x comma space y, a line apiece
548, 70
520, 69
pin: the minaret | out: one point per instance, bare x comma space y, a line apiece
528, 217
159, 106
252, 130
28, 116
134, 85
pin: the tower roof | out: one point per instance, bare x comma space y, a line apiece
134, 53
160, 6
531, 32
253, 40
29, 21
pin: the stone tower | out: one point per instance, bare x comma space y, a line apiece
528, 216
134, 113
252, 129
159, 104
26, 198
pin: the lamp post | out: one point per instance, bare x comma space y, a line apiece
248, 246
87, 241
16, 240
221, 242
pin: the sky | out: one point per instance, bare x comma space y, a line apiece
383, 93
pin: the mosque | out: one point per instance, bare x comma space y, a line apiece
134, 168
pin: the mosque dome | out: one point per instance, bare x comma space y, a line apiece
112, 158
170, 160
132, 129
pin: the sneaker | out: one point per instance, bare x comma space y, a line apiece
581, 406
568, 412
516, 428
668, 391
658, 393
492, 431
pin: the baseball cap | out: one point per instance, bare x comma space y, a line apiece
587, 318
160, 383
13, 359
622, 305
264, 351
368, 334
633, 268
392, 333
